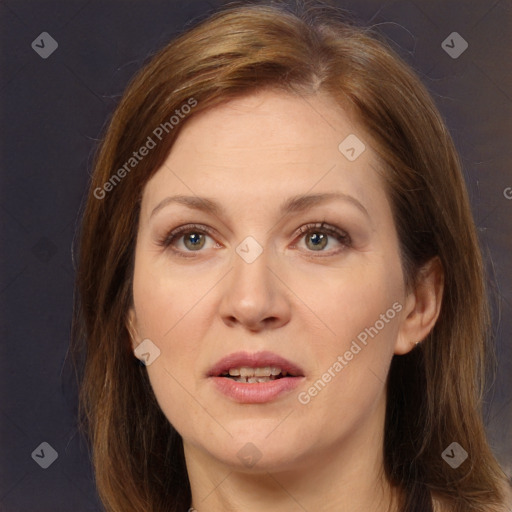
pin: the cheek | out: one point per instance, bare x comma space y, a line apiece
352, 359
176, 398
355, 301
168, 318
171, 312
164, 300
361, 311
171, 321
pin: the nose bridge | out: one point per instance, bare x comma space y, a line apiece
252, 294
251, 268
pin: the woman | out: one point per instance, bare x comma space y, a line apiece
278, 230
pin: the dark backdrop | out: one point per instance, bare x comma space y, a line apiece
53, 110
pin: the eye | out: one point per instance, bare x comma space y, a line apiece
193, 235
317, 236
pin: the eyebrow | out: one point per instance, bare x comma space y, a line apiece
292, 205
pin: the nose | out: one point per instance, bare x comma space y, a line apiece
254, 295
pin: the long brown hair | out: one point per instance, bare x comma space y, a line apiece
434, 392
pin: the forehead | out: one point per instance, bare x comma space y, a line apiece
268, 144
277, 121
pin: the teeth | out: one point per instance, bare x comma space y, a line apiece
253, 375
246, 371
263, 372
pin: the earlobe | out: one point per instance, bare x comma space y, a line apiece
422, 308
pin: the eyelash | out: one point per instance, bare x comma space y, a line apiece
340, 235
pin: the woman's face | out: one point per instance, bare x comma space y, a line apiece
257, 287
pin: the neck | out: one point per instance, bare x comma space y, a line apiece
346, 477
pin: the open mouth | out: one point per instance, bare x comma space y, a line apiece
255, 378
253, 375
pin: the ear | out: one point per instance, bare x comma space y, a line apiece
131, 325
422, 306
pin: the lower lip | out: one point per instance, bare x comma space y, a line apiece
255, 392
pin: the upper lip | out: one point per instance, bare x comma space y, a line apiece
255, 360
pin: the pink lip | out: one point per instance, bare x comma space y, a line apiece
257, 392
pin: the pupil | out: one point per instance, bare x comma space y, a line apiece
194, 240
318, 240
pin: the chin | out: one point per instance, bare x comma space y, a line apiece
249, 459
255, 451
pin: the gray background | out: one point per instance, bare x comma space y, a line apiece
52, 114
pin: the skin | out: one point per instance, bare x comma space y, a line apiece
307, 305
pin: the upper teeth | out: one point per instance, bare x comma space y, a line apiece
245, 371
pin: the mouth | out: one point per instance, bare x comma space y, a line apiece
255, 378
